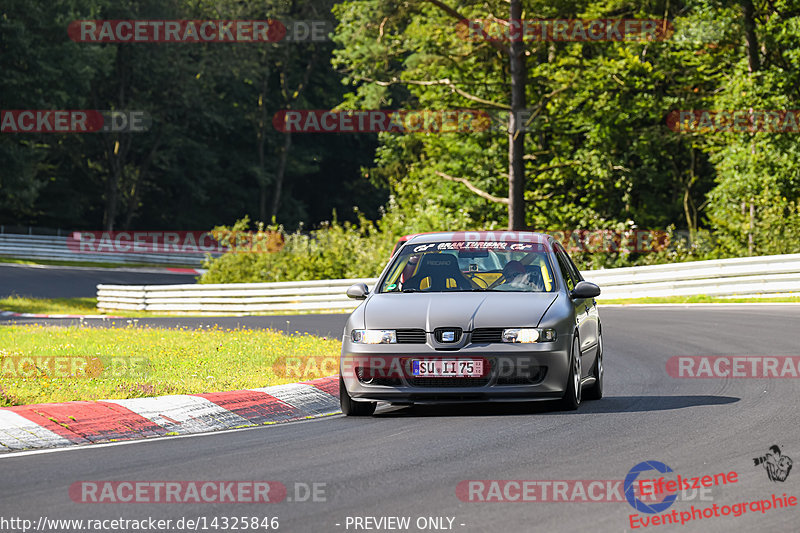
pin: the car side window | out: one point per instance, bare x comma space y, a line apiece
572, 268
569, 279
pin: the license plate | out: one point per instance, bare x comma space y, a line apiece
447, 368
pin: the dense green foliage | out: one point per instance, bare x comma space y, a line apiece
598, 149
599, 152
333, 251
211, 154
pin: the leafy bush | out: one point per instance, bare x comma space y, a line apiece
334, 251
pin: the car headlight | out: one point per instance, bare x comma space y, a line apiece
529, 335
374, 336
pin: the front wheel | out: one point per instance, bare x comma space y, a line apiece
351, 407
572, 396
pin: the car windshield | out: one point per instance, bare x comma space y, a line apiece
470, 266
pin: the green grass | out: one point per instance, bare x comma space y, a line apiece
134, 362
702, 299
50, 306
62, 306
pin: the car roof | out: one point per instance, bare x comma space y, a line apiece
499, 235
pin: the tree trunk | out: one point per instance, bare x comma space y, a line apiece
689, 208
754, 64
116, 143
262, 182
261, 141
138, 183
279, 174
112, 193
516, 133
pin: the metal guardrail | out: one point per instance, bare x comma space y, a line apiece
231, 297
778, 274
744, 276
55, 249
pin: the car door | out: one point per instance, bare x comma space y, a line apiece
587, 330
591, 323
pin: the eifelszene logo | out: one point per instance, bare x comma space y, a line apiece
630, 483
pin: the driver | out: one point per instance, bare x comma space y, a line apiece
516, 276
514, 273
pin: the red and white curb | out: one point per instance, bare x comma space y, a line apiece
53, 425
186, 270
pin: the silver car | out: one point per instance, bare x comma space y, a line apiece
473, 317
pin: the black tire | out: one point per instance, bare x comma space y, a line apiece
572, 396
595, 391
351, 407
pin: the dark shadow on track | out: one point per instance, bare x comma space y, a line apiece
609, 404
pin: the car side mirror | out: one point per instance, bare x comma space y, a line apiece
584, 289
359, 291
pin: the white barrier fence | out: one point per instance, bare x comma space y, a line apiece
56, 249
745, 276
778, 274
231, 297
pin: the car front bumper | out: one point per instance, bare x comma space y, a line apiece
516, 372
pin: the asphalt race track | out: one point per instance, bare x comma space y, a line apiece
39, 281
407, 462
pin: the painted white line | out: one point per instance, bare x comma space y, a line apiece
17, 432
183, 413
306, 398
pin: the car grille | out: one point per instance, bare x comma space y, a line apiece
448, 382
481, 335
411, 336
437, 334
533, 377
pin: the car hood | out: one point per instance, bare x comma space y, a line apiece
467, 310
